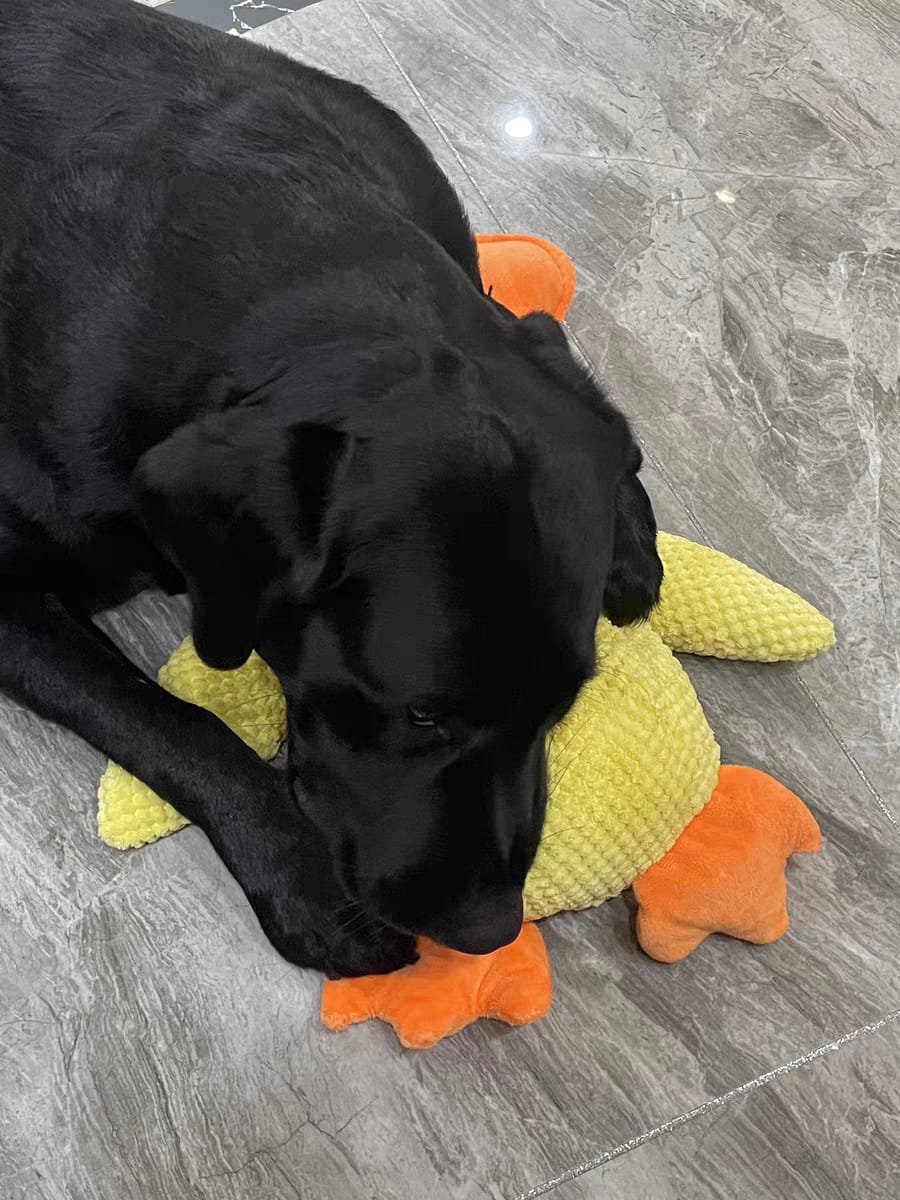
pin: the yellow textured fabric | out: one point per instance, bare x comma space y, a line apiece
630, 765
249, 699
712, 604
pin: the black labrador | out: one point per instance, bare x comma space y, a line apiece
245, 353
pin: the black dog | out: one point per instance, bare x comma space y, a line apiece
245, 353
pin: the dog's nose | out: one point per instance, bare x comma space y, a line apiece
485, 924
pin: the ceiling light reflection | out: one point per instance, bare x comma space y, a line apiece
519, 127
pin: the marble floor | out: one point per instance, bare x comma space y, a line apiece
726, 178
233, 16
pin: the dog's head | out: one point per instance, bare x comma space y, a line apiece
423, 567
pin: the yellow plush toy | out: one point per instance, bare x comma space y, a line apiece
635, 759
630, 769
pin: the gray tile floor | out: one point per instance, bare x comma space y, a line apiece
725, 177
233, 16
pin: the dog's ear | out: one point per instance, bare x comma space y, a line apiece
237, 505
541, 336
542, 340
635, 572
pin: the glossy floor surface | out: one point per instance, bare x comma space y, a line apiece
725, 177
233, 16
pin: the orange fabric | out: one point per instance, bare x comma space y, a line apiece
725, 874
446, 990
526, 274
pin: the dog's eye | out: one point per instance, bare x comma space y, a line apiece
423, 718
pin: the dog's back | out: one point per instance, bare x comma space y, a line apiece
161, 183
112, 79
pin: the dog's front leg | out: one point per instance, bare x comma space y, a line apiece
62, 668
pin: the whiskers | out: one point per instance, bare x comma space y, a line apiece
354, 922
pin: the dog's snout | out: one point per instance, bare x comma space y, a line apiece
483, 925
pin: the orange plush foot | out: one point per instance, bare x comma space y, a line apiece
725, 874
526, 274
445, 991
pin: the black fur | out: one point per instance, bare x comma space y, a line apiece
244, 352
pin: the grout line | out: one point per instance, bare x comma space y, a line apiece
735, 1093
407, 79
687, 169
238, 26
651, 457
848, 754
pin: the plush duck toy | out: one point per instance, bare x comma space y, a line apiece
637, 795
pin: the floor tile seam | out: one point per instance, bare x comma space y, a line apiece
708, 1106
239, 28
862, 178
857, 766
420, 99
